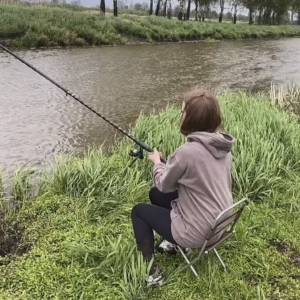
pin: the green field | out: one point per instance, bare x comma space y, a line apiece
42, 26
75, 241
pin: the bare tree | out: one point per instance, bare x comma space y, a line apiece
222, 6
169, 12
165, 8
296, 9
157, 7
252, 6
234, 6
115, 8
196, 10
151, 8
181, 9
188, 10
102, 7
204, 8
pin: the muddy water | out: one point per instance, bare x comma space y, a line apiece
37, 120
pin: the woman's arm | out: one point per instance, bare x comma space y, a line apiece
166, 176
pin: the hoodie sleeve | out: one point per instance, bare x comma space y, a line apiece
166, 176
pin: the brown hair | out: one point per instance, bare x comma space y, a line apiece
202, 112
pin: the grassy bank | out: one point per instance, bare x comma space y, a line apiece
40, 26
75, 241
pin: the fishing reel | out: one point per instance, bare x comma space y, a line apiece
138, 154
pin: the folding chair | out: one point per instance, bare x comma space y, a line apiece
219, 225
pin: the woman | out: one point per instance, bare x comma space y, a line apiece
192, 188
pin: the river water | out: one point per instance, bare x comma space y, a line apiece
38, 121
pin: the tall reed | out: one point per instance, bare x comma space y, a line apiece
81, 234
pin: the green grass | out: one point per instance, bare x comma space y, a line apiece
43, 26
79, 232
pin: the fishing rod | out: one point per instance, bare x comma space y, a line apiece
138, 154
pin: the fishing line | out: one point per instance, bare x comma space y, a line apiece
138, 154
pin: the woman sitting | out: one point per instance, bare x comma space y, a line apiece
192, 188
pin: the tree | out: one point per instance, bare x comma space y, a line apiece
102, 7
242, 17
165, 8
157, 7
145, 6
74, 2
235, 4
196, 10
151, 8
115, 8
169, 12
181, 9
281, 10
176, 10
222, 6
269, 11
137, 6
122, 5
296, 9
265, 12
213, 15
188, 10
260, 14
251, 5
203, 8
228, 16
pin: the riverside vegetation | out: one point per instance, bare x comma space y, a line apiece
42, 26
74, 240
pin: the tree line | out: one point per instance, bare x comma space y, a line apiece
268, 12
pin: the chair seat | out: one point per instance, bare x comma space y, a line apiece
219, 225
226, 235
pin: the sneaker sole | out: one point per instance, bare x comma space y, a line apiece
174, 251
158, 281
166, 251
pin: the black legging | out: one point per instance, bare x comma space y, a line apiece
149, 217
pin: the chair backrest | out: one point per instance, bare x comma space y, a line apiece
228, 217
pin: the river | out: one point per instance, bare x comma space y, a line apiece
38, 121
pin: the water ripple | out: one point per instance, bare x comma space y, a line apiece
38, 120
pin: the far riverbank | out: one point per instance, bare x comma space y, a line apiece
45, 27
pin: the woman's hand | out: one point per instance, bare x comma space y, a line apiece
155, 156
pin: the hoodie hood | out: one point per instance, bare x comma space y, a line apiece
218, 144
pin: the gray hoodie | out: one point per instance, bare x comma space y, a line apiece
201, 171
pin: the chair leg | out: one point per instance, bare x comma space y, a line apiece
188, 262
220, 259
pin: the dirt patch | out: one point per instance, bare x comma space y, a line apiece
283, 248
12, 238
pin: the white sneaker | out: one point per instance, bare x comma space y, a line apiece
156, 276
169, 248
